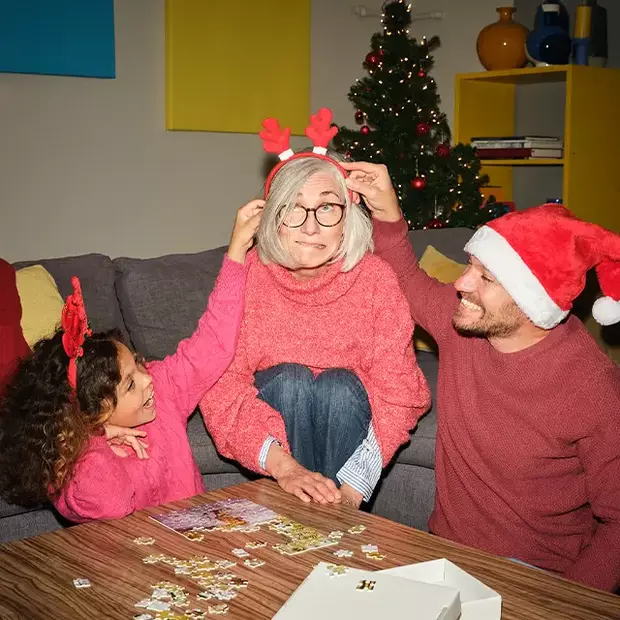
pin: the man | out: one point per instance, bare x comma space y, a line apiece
528, 407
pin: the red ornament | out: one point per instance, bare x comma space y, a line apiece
418, 183
423, 129
435, 223
359, 117
443, 150
421, 74
348, 154
364, 130
373, 59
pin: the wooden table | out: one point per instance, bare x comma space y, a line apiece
36, 574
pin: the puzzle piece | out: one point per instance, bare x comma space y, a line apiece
158, 606
222, 608
240, 553
255, 545
343, 553
143, 617
335, 535
82, 583
336, 570
369, 548
144, 540
356, 529
194, 535
365, 585
375, 555
253, 563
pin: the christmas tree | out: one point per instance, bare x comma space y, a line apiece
401, 126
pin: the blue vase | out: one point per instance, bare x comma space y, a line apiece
549, 43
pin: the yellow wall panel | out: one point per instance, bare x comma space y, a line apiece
230, 65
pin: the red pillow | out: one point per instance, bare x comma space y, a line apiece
13, 347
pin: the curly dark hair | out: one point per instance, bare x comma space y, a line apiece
44, 428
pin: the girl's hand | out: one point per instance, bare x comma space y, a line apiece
119, 436
246, 225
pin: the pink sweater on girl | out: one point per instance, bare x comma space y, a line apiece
107, 486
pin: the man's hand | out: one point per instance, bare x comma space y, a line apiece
351, 497
119, 436
297, 480
373, 182
246, 225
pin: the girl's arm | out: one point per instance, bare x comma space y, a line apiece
200, 360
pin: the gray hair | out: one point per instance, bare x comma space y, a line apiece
285, 187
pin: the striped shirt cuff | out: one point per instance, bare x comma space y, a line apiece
262, 455
363, 469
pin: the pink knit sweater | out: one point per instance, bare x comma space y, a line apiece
527, 456
357, 320
106, 486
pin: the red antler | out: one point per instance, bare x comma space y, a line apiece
275, 140
320, 130
75, 326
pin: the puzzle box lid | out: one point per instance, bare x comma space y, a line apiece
478, 601
334, 598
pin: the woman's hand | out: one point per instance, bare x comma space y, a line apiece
297, 480
351, 497
373, 182
119, 436
246, 225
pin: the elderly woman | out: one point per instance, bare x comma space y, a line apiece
324, 386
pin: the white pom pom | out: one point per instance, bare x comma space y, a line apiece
606, 311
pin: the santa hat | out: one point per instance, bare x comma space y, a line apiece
541, 256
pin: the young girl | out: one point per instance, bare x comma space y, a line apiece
70, 397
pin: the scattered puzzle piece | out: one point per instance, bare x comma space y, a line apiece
253, 563
335, 570
335, 535
255, 545
369, 548
143, 617
375, 555
144, 540
194, 535
158, 606
222, 608
240, 553
82, 583
343, 553
356, 529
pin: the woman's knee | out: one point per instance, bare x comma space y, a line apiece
339, 390
285, 384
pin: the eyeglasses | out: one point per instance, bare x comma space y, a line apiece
327, 215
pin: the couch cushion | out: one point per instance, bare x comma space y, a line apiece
97, 275
449, 241
421, 449
161, 299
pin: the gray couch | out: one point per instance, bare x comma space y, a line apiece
157, 302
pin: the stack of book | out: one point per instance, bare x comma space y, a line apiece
518, 147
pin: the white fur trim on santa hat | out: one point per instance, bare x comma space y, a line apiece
606, 311
499, 257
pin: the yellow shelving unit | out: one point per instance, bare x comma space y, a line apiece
485, 106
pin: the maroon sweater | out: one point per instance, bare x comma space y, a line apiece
528, 443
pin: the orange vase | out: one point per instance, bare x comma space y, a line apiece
501, 45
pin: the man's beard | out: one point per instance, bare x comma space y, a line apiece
500, 324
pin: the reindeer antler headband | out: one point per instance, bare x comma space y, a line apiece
75, 326
320, 131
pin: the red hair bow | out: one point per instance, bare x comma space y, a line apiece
75, 327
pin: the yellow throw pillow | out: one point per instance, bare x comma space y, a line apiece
444, 269
41, 303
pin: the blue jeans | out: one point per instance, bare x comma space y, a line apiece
326, 418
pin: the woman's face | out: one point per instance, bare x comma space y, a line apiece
312, 245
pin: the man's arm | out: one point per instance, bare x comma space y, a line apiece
598, 564
431, 303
